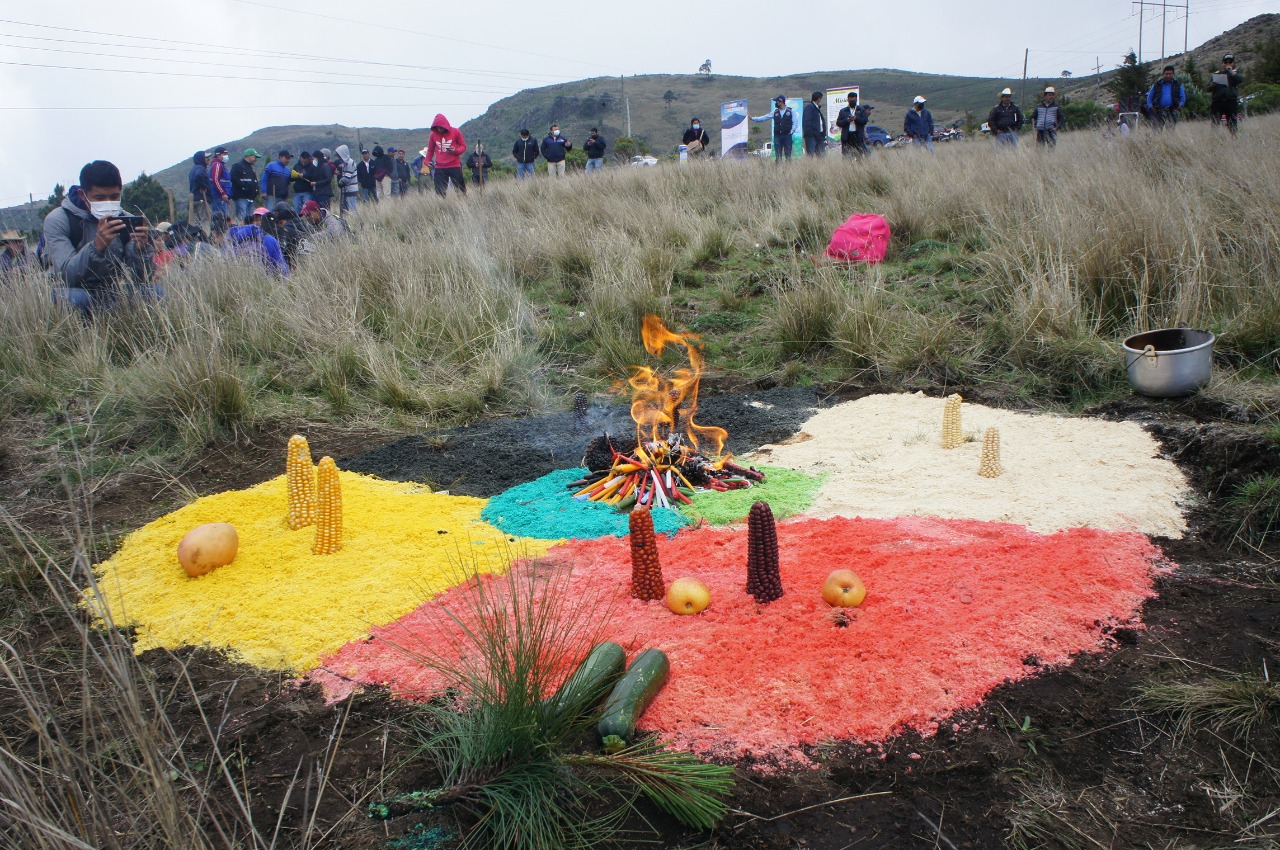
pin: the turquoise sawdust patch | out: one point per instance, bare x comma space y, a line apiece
545, 509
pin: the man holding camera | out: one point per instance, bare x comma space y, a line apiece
98, 253
594, 147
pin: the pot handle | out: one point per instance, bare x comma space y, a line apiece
1149, 354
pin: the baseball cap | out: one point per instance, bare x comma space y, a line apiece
524, 132
1050, 90
391, 150
1230, 57
219, 149
251, 152
261, 211
1007, 92
781, 97
364, 150
284, 153
163, 227
919, 99
310, 207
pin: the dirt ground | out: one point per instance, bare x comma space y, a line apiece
1066, 752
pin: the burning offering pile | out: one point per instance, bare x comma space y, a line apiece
673, 455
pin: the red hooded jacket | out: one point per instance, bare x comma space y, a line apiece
447, 149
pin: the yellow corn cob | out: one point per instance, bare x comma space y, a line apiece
990, 467
300, 477
329, 518
952, 435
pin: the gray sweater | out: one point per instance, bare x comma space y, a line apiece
86, 268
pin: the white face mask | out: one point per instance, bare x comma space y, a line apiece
555, 132
226, 157
697, 126
105, 209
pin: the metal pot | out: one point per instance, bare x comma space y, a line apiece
1168, 363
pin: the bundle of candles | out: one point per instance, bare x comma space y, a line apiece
660, 474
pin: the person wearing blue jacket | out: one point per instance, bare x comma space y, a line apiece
220, 181
198, 186
918, 125
555, 148
275, 179
1166, 99
248, 240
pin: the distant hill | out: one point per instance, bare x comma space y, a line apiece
662, 104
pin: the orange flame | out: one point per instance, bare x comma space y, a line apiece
660, 404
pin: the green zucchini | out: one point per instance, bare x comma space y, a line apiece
591, 681
634, 692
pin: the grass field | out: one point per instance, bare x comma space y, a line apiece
1016, 272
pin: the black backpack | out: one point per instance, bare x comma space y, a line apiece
75, 232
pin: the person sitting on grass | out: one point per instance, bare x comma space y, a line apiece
321, 224
249, 241
97, 259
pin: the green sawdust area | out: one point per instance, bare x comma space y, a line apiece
788, 492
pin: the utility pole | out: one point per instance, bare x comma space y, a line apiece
1097, 66
1186, 29
1026, 57
1164, 8
626, 103
1142, 19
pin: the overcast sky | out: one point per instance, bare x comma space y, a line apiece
145, 83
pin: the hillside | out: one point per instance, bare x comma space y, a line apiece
662, 104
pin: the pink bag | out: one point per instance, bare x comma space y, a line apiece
864, 238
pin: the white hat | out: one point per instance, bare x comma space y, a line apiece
1007, 92
919, 99
1050, 90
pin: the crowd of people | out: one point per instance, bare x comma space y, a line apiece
99, 255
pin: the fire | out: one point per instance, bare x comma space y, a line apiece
664, 407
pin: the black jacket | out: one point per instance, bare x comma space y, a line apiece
699, 135
555, 148
306, 183
853, 122
244, 181
1228, 95
814, 121
784, 121
525, 150
364, 174
324, 179
595, 146
476, 161
1005, 118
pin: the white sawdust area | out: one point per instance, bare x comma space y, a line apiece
884, 458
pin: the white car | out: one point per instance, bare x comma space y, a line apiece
643, 160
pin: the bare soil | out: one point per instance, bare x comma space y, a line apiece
1067, 750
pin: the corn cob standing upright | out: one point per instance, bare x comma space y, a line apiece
300, 479
990, 466
646, 571
764, 581
952, 434
329, 518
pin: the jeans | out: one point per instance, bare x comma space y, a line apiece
555, 169
199, 214
349, 202
218, 205
325, 201
369, 193
1161, 118
86, 301
300, 198
244, 206
1007, 138
924, 142
782, 147
445, 176
523, 170
272, 200
594, 165
815, 145
1047, 137
396, 188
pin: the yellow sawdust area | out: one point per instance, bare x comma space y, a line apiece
277, 605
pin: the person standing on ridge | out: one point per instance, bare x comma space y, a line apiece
348, 182
445, 149
400, 174
555, 148
199, 188
1047, 118
366, 174
918, 125
244, 184
275, 179
479, 162
305, 177
1224, 94
323, 162
525, 151
594, 147
382, 170
695, 140
219, 182
784, 121
1166, 99
852, 122
1005, 120
813, 124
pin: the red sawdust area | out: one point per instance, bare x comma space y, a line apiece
954, 608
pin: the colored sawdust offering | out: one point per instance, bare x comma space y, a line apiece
954, 608
545, 508
884, 458
279, 606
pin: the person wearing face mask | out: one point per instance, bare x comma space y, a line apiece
220, 182
446, 149
555, 148
852, 122
594, 148
783, 128
525, 151
695, 139
96, 258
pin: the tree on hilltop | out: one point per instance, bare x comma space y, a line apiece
705, 67
668, 97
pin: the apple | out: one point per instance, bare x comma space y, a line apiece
688, 596
843, 589
207, 547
